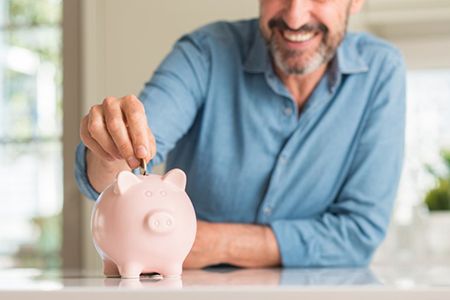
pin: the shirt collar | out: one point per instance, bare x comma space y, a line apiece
347, 59
258, 58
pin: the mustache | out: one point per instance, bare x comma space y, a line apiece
281, 24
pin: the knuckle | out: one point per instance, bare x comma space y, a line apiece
109, 101
94, 109
131, 97
115, 124
94, 127
132, 102
128, 98
134, 115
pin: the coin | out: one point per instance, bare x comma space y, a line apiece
143, 167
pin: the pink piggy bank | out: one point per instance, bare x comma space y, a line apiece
144, 224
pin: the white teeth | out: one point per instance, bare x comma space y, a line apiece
298, 37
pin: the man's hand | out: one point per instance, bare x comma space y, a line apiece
241, 245
116, 132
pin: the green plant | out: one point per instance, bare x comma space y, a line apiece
438, 198
44, 252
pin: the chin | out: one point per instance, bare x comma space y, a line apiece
296, 67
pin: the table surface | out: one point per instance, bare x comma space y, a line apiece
411, 281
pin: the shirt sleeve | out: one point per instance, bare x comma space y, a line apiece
352, 227
176, 92
81, 173
171, 99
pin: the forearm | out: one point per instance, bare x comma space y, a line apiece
252, 246
101, 173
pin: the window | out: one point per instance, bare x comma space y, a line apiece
427, 136
30, 133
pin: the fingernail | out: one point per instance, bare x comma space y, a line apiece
141, 151
133, 162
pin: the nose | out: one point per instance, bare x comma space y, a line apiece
161, 222
297, 13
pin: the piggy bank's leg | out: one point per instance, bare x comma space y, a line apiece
130, 270
172, 270
110, 269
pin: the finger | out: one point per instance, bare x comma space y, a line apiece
134, 112
152, 151
90, 143
116, 127
98, 131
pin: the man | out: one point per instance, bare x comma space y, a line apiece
290, 131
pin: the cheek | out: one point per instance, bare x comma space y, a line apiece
269, 9
332, 16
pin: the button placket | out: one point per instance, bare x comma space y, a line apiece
287, 111
268, 206
267, 210
316, 101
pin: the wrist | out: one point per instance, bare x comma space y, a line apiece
221, 243
106, 166
100, 172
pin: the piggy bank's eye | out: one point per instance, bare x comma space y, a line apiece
148, 194
163, 193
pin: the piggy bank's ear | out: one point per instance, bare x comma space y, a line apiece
125, 180
177, 177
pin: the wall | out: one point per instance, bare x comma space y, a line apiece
129, 38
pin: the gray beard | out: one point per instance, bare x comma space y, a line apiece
322, 56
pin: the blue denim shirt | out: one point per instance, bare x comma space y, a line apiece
324, 179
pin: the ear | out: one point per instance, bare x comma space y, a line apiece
356, 6
125, 180
177, 177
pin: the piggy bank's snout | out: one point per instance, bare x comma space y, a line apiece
161, 222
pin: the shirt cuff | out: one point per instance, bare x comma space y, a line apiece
81, 173
290, 244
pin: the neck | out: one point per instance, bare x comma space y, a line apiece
301, 86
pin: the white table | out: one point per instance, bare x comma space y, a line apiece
377, 282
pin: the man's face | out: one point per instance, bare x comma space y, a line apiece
303, 34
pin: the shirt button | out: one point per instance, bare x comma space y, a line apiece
283, 158
267, 210
287, 111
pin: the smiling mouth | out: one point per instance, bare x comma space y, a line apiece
298, 37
